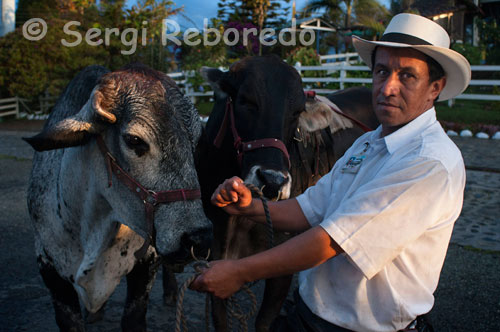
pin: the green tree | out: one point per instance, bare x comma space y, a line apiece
262, 13
225, 8
31, 68
401, 6
349, 11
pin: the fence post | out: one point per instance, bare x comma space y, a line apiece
190, 89
297, 67
17, 107
343, 75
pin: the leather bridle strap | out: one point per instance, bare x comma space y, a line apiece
150, 198
240, 146
312, 94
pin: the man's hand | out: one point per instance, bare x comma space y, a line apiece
222, 279
233, 196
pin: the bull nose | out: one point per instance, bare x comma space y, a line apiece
200, 240
273, 182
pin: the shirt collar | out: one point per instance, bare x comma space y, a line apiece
409, 131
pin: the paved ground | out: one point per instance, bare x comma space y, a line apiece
467, 299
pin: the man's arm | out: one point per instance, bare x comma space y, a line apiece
236, 199
302, 252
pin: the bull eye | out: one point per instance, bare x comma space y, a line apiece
136, 143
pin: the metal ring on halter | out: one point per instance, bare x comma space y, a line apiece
196, 258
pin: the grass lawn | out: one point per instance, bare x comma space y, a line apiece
463, 112
470, 112
204, 107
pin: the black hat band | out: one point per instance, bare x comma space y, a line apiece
402, 38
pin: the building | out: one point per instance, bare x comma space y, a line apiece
459, 17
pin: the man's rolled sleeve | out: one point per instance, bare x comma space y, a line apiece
314, 209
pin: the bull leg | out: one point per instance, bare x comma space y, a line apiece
169, 286
219, 314
275, 293
139, 283
64, 298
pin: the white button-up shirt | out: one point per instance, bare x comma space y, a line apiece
393, 218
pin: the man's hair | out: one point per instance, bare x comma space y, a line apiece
435, 70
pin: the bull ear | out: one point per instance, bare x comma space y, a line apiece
213, 77
75, 130
319, 115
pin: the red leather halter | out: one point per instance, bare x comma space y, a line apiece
240, 146
312, 94
150, 198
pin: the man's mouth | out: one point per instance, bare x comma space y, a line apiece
386, 104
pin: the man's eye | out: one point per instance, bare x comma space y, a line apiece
407, 75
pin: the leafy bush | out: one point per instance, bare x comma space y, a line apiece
473, 54
307, 57
31, 68
489, 30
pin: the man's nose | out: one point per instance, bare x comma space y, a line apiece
391, 85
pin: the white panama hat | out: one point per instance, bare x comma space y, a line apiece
428, 37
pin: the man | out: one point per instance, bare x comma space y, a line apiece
375, 230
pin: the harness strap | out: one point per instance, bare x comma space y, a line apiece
150, 198
223, 128
240, 146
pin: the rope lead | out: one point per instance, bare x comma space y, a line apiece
233, 308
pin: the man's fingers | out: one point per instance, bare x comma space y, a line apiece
226, 195
217, 200
242, 190
231, 191
197, 284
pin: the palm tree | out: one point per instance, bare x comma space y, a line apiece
401, 6
366, 12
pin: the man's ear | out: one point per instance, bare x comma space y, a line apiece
436, 87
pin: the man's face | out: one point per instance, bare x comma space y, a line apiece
401, 88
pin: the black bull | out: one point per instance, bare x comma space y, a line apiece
269, 102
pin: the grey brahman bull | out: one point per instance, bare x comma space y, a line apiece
115, 190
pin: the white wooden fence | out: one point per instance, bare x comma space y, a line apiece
12, 106
181, 78
339, 58
333, 72
343, 68
337, 73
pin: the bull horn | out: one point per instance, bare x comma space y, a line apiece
96, 105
